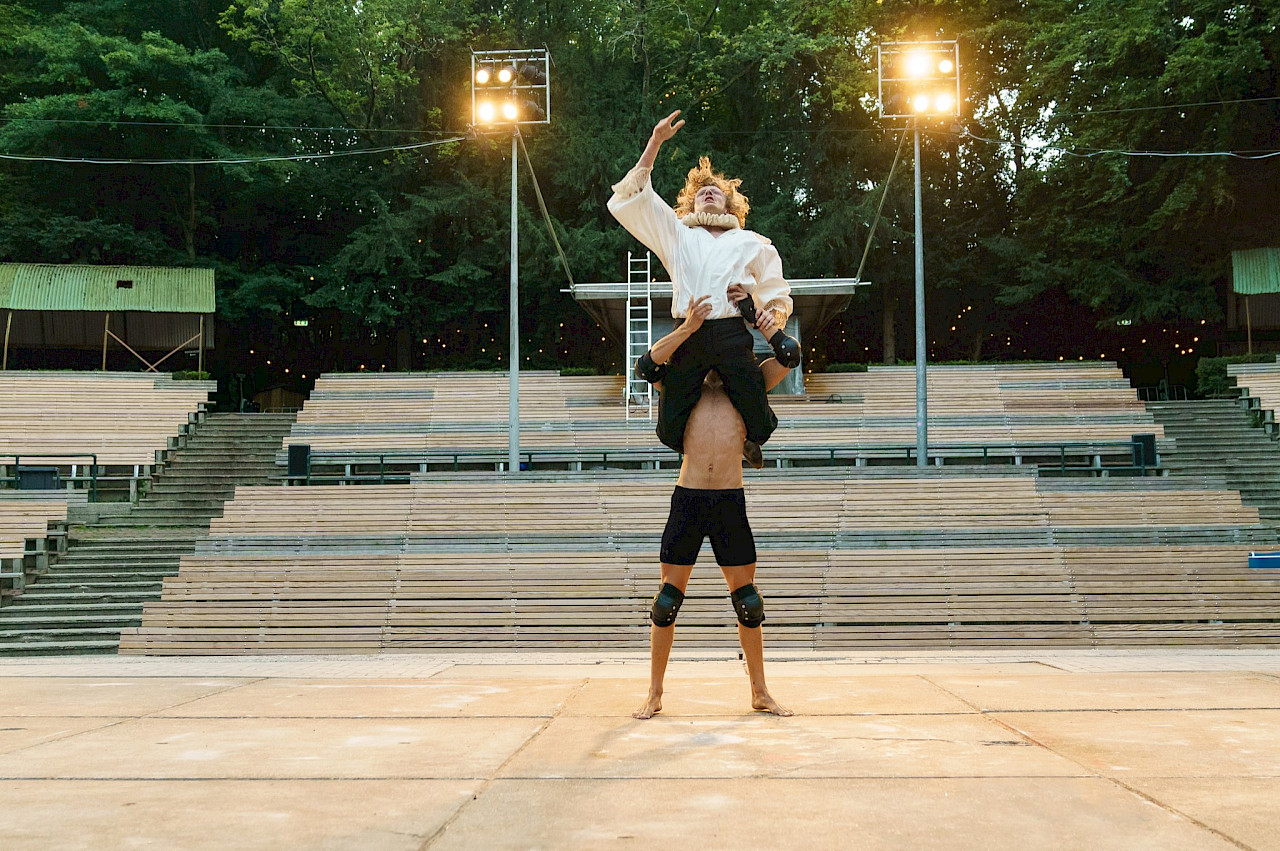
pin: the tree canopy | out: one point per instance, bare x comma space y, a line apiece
1061, 203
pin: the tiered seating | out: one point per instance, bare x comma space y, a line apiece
122, 417
887, 558
1259, 380
865, 415
30, 528
989, 404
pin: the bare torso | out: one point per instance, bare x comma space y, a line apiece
713, 443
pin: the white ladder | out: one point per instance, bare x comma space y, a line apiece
638, 392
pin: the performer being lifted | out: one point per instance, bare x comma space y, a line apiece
708, 501
705, 248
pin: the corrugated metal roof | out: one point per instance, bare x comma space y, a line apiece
38, 286
6, 282
1256, 271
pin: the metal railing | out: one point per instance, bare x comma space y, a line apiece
91, 477
833, 456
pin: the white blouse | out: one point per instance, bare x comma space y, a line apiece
699, 262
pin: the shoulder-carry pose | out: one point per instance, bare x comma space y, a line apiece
705, 248
708, 501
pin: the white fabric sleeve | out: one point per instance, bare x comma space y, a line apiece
645, 216
771, 290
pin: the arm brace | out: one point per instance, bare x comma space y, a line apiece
648, 370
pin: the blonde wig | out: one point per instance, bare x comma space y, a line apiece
735, 202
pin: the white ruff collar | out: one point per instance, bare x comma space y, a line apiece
711, 220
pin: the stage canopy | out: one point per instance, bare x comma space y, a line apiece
142, 308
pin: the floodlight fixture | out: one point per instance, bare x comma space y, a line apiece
514, 85
913, 77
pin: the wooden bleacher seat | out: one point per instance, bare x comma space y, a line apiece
122, 417
872, 561
30, 529
870, 415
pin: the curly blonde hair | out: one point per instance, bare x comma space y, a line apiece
735, 202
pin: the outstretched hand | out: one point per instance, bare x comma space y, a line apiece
667, 127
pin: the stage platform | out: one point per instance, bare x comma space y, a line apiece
1123, 749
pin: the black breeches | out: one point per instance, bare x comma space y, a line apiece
725, 346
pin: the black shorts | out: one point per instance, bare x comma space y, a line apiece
695, 514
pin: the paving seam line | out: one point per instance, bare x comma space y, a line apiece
489, 781
1115, 781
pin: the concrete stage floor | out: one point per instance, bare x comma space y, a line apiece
1160, 749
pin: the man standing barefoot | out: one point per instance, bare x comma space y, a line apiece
708, 500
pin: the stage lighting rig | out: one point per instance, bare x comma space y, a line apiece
919, 79
509, 88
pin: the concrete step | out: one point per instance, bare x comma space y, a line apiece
106, 548
194, 500
74, 602
68, 643
213, 463
113, 567
98, 581
90, 570
58, 620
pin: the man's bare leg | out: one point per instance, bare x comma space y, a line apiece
660, 640
753, 652
752, 641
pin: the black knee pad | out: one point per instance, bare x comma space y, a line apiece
749, 605
666, 605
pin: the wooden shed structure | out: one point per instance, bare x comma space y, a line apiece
142, 308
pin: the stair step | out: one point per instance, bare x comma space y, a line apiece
95, 583
113, 567
71, 608
63, 621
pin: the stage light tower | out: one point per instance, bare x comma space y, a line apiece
918, 81
510, 88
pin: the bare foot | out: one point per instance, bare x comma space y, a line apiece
766, 703
651, 707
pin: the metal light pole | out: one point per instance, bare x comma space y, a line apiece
513, 411
917, 80
922, 386
509, 88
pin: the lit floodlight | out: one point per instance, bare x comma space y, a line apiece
510, 111
920, 103
917, 63
482, 77
506, 75
946, 66
486, 111
943, 102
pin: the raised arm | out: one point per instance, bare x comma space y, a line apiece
638, 208
662, 131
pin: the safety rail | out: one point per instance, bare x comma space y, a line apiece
92, 477
390, 464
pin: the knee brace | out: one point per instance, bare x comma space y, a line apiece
749, 606
649, 371
666, 605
